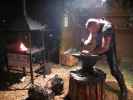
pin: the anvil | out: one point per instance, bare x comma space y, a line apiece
88, 61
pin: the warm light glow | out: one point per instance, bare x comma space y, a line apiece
66, 20
103, 0
23, 47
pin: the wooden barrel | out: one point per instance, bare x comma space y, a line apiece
89, 87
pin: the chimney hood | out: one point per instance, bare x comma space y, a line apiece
24, 22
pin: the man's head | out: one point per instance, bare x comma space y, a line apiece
92, 25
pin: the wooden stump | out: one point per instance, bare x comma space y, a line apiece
89, 87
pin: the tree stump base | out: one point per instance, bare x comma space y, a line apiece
87, 87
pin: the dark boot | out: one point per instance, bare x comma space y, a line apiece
115, 71
123, 89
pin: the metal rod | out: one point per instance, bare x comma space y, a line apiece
30, 55
31, 69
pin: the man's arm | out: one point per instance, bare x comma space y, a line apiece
106, 41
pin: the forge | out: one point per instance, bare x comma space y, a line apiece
27, 45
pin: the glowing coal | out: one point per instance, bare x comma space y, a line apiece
23, 47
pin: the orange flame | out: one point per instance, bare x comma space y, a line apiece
23, 47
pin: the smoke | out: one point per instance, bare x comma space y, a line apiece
86, 3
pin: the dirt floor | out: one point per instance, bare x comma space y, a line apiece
111, 88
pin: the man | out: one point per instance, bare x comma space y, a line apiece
101, 30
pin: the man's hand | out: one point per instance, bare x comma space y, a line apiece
86, 52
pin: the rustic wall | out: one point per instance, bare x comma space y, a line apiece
124, 45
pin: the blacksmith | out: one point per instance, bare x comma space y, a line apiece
102, 31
